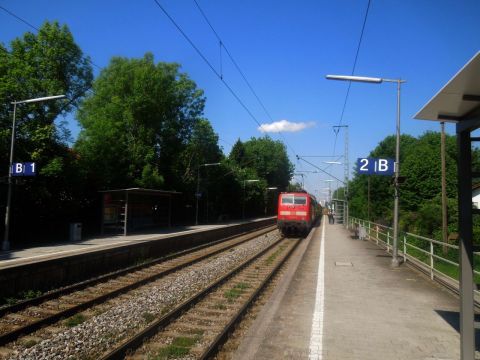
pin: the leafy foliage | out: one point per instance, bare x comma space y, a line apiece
420, 194
137, 120
39, 65
141, 124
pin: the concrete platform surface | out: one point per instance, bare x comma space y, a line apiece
67, 248
344, 301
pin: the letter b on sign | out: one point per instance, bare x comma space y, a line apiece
18, 168
382, 165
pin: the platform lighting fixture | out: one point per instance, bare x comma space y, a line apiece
375, 80
333, 162
6, 240
197, 195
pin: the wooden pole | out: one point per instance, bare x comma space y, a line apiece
368, 216
444, 190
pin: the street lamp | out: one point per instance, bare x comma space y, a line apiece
6, 240
395, 261
197, 194
243, 198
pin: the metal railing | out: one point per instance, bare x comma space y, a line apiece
436, 258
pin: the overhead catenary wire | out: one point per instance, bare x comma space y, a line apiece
37, 29
353, 71
76, 95
207, 62
242, 74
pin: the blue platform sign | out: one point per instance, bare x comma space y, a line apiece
374, 166
24, 169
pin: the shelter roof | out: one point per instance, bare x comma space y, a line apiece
458, 98
142, 191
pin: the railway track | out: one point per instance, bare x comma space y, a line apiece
199, 326
22, 319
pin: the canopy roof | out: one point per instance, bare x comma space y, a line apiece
141, 191
458, 98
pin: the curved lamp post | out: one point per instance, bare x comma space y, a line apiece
395, 261
6, 240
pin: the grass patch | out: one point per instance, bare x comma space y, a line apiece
148, 317
29, 343
25, 295
142, 261
75, 320
272, 257
197, 332
179, 347
31, 294
236, 291
220, 306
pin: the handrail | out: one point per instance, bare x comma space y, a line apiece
428, 248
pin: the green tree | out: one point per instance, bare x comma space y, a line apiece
237, 154
420, 194
202, 148
270, 160
381, 194
264, 160
38, 65
422, 170
137, 121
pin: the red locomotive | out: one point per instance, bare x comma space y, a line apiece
297, 212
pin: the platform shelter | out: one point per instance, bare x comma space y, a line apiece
133, 209
459, 102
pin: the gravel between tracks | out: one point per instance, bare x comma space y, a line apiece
99, 333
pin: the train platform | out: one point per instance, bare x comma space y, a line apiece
342, 300
67, 248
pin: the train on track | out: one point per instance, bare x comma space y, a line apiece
297, 212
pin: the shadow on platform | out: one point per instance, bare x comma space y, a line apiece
453, 319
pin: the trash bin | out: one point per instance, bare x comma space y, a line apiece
75, 232
362, 233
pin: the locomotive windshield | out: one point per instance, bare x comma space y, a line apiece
300, 200
294, 199
287, 199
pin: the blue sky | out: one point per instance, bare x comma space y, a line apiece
285, 49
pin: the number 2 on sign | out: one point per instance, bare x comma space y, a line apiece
364, 167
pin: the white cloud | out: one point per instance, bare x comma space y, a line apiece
285, 126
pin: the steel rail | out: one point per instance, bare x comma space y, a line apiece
137, 340
84, 284
29, 328
223, 336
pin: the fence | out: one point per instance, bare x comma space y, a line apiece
436, 258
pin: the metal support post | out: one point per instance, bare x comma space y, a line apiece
395, 261
197, 195
467, 331
6, 239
